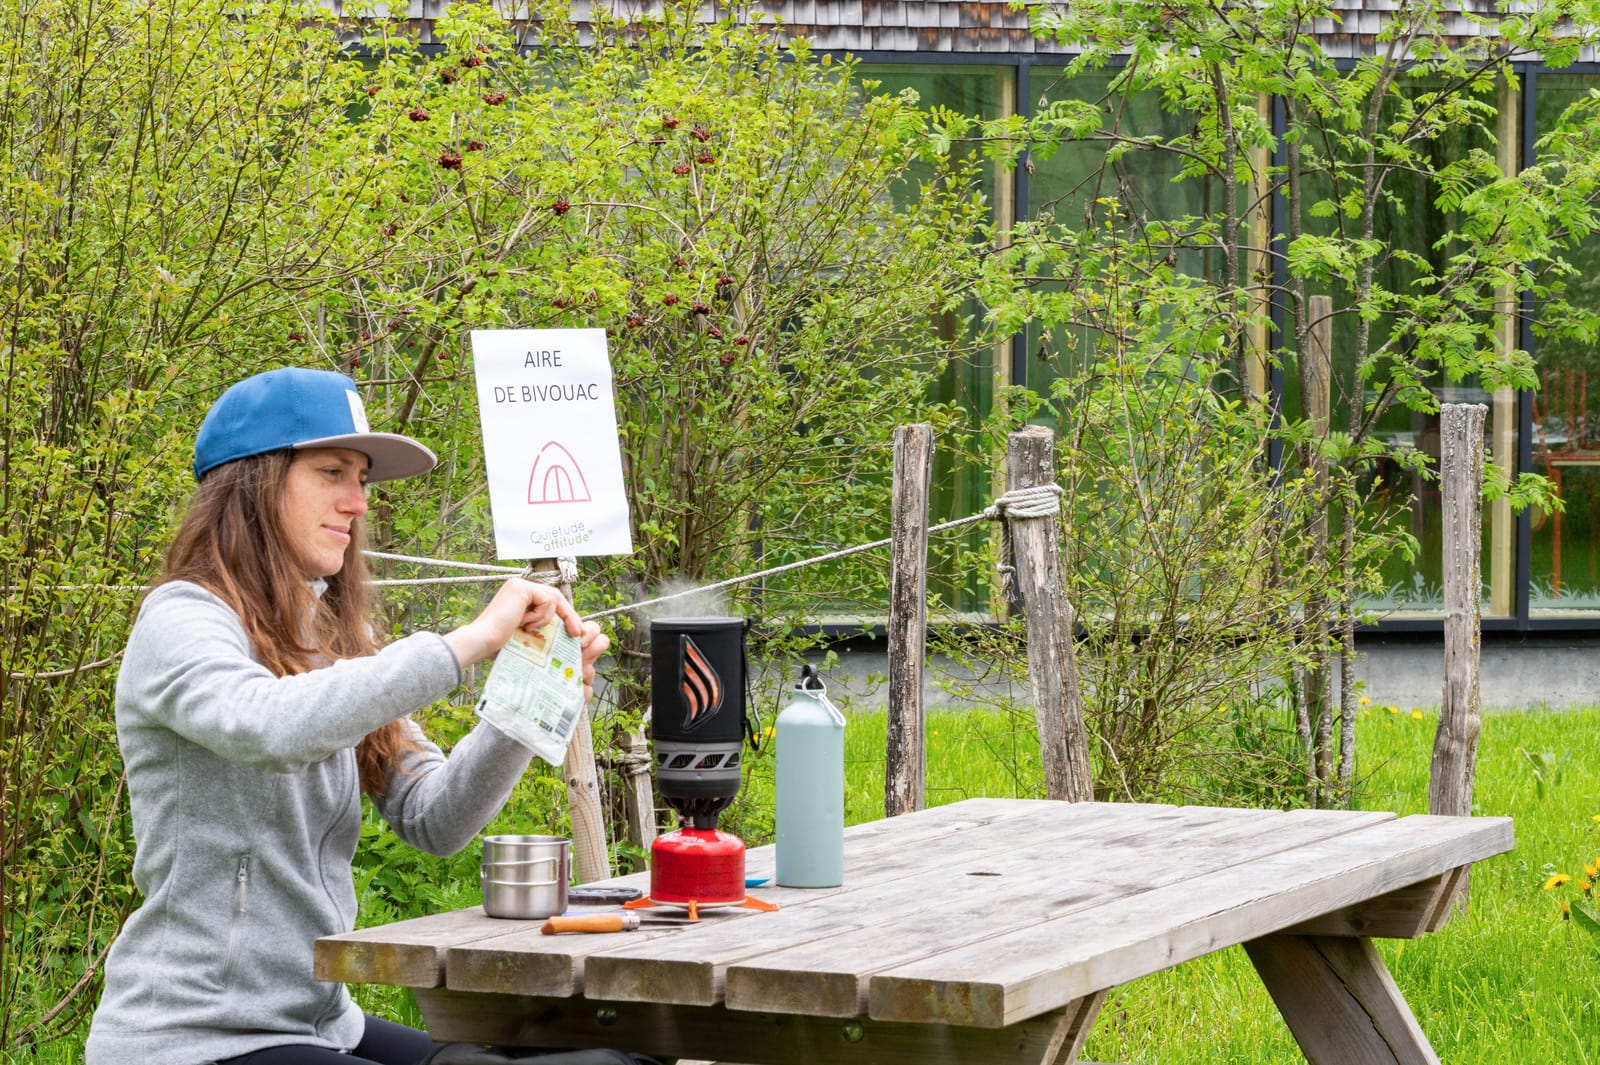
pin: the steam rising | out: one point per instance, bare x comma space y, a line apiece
685, 599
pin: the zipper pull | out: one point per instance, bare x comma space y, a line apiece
240, 880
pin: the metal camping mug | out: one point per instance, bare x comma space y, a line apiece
525, 878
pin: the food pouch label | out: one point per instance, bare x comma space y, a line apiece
534, 693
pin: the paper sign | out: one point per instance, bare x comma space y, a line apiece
550, 442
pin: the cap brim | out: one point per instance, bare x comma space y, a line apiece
391, 456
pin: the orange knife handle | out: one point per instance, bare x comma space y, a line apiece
595, 922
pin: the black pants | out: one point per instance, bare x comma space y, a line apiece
384, 1043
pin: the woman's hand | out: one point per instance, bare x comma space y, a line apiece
523, 604
594, 644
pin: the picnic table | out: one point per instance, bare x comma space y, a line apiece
986, 932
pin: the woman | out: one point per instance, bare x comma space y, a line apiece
254, 707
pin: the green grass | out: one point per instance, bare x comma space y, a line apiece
1506, 981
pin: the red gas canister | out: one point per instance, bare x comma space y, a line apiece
703, 866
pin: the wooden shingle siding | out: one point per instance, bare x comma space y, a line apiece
974, 26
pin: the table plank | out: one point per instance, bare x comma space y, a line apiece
412, 952
714, 1033
1039, 880
677, 969
1403, 914
522, 964
1029, 971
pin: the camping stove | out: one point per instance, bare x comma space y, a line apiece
699, 722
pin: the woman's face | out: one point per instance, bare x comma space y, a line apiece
323, 494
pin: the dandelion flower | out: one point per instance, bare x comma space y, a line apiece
1556, 880
1416, 715
1584, 886
1363, 700
1566, 912
1595, 818
1392, 709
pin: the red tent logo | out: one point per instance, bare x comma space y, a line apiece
557, 477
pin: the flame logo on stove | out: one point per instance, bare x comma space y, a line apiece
702, 688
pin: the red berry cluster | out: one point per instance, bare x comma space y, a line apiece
450, 160
560, 205
494, 99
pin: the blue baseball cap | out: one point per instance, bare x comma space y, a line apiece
296, 408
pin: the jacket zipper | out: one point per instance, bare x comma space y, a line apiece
336, 990
241, 881
241, 885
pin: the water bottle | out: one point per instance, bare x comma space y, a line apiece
810, 803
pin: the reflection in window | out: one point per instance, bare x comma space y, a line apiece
962, 483
1401, 487
1145, 186
1564, 569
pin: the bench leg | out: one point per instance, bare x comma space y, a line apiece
1076, 1019
1340, 1001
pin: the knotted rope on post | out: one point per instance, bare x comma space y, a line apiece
566, 572
1037, 501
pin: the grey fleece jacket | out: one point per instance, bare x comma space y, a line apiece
246, 812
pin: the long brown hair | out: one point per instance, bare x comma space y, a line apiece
231, 542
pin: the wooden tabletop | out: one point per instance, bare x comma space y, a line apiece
958, 921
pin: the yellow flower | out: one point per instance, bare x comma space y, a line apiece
1366, 713
1363, 700
1416, 715
1556, 881
1584, 886
1392, 709
1591, 870
1595, 818
1566, 911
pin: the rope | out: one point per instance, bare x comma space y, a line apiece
480, 578
1038, 501
566, 572
446, 562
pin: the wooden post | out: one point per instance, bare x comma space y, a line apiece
583, 781
639, 792
1316, 379
905, 773
1455, 746
1052, 669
